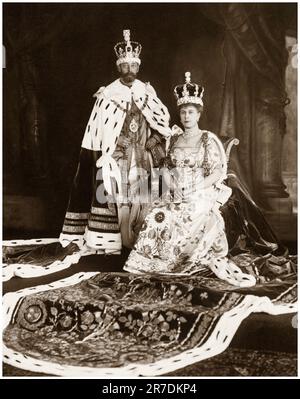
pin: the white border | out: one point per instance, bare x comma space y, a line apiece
24, 270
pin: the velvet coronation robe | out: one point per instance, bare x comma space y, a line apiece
89, 219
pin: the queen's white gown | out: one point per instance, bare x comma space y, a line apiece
185, 234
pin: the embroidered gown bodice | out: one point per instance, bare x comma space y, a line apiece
189, 160
182, 154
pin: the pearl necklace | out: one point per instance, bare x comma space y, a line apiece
189, 135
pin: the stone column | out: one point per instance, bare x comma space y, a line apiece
270, 128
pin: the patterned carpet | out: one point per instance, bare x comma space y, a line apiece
118, 323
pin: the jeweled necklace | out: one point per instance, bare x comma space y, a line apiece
189, 135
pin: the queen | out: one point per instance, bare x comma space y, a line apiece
184, 234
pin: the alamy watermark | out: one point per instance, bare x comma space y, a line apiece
142, 186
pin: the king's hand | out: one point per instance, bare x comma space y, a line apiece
123, 142
176, 130
151, 143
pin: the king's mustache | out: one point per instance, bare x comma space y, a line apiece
129, 75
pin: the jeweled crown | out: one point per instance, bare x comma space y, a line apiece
189, 93
128, 51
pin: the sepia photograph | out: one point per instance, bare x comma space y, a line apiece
149, 190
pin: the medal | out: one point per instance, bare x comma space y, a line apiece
133, 127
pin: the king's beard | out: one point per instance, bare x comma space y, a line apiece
128, 78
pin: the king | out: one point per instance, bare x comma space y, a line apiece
125, 135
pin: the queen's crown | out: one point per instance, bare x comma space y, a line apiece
189, 93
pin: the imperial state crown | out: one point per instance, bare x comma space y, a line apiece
128, 51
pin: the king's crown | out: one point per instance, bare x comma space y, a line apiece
128, 51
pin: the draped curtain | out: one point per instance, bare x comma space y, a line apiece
28, 28
254, 91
